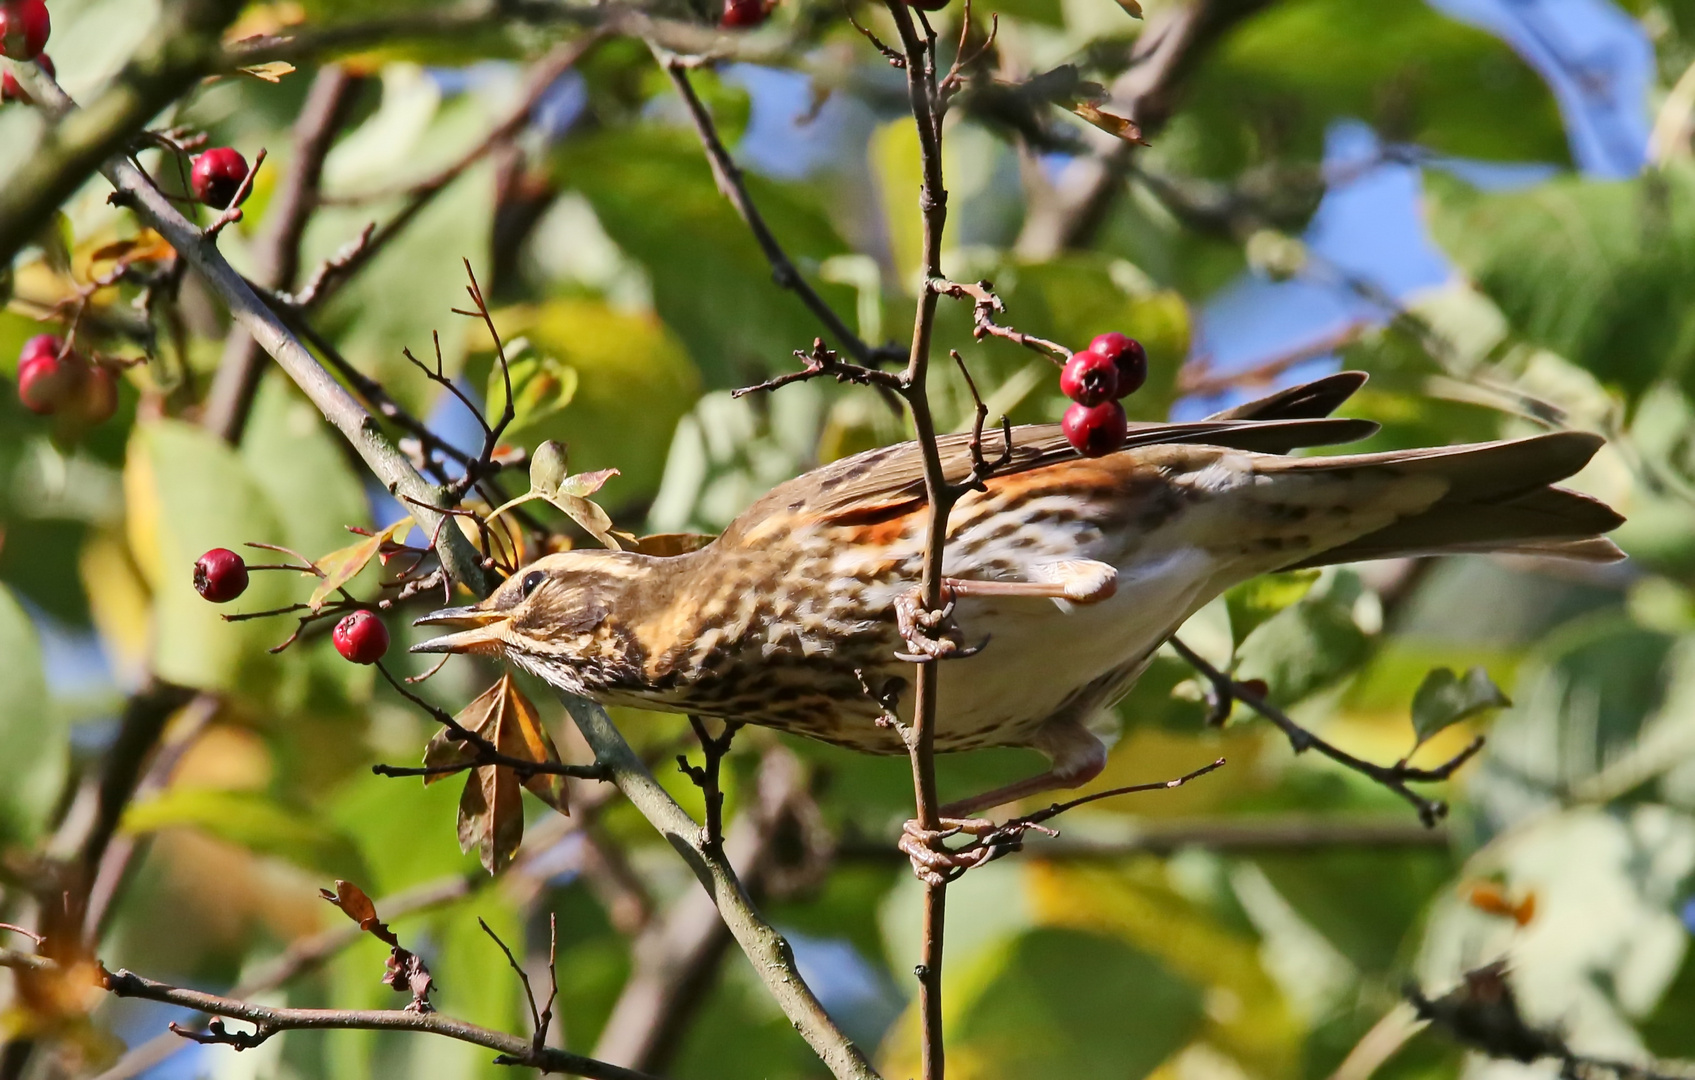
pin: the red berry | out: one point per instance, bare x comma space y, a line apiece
12, 90
361, 637
220, 576
743, 13
1089, 378
46, 383
24, 27
40, 345
1128, 354
1095, 430
99, 397
217, 176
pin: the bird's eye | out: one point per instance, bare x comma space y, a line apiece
532, 582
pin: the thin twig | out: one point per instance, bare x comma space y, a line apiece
1395, 777
731, 185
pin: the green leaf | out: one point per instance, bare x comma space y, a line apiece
1444, 699
33, 765
1601, 272
186, 491
343, 565
1279, 80
541, 386
655, 197
1063, 1002
254, 821
1308, 646
1253, 602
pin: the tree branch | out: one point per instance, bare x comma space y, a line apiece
276, 252
269, 1020
182, 48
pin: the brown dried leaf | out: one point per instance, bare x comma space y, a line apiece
491, 817
479, 717
353, 902
343, 565
1132, 8
1110, 123
522, 735
666, 545
491, 810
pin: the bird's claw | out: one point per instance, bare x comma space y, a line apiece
928, 634
937, 864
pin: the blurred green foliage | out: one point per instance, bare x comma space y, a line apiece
631, 298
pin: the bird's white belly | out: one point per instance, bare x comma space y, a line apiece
1042, 651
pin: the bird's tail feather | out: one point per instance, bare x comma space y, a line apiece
1500, 498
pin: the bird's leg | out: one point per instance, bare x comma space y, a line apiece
930, 635
1078, 757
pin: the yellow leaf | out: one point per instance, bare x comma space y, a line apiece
271, 72
343, 565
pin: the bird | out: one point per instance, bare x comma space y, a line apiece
1075, 570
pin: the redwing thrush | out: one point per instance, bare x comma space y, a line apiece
1076, 569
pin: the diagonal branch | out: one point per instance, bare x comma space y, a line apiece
770, 954
728, 176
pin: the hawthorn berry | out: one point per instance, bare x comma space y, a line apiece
1128, 354
220, 575
12, 90
1089, 378
46, 383
740, 14
1095, 430
217, 176
24, 26
40, 345
361, 637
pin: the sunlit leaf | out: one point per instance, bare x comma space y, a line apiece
1444, 699
583, 485
1118, 126
342, 566
1253, 602
272, 71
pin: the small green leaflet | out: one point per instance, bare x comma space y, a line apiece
1444, 699
551, 482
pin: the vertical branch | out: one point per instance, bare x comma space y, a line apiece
933, 202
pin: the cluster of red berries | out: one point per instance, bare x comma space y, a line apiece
24, 27
1112, 367
53, 379
220, 576
217, 175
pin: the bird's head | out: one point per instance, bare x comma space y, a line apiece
557, 617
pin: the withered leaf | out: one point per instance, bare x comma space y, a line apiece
343, 564
1132, 8
353, 902
1111, 123
491, 812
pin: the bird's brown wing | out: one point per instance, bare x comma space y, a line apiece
891, 478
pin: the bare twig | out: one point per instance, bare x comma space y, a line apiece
1396, 778
985, 305
731, 185
706, 777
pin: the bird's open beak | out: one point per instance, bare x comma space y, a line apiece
481, 633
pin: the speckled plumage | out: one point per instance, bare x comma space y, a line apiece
789, 616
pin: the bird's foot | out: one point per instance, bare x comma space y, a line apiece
930, 634
937, 864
